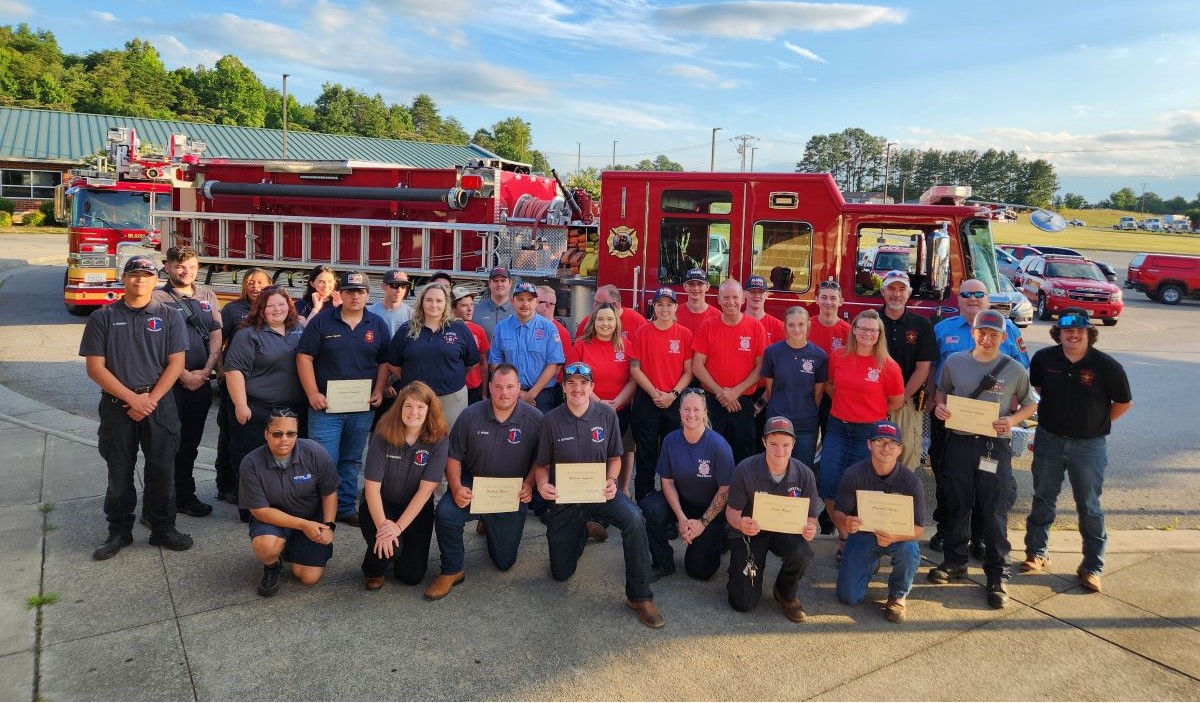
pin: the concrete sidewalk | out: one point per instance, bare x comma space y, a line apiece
152, 624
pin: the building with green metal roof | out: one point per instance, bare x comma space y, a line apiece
38, 146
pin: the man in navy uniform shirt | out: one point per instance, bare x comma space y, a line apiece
134, 351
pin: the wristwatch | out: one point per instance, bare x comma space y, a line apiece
704, 521
332, 526
675, 392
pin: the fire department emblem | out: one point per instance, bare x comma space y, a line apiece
539, 334
910, 336
369, 336
154, 324
998, 387
807, 366
597, 434
514, 435
744, 343
622, 242
836, 343
620, 356
794, 492
673, 347
421, 458
704, 468
450, 337
873, 375
205, 306
1087, 377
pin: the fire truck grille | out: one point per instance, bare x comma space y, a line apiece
532, 250
1087, 296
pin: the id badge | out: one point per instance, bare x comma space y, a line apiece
988, 464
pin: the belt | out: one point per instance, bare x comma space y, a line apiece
140, 390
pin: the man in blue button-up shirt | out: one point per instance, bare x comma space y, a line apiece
529, 342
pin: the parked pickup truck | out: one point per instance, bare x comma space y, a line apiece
1054, 281
1167, 278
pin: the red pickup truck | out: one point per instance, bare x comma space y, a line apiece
1053, 282
1167, 278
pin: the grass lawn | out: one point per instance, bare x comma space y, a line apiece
22, 229
1097, 234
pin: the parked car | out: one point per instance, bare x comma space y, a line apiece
1020, 251
1076, 223
1013, 303
1167, 278
1053, 282
1109, 273
1007, 263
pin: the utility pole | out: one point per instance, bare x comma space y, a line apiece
745, 140
1143, 198
614, 161
285, 77
752, 150
887, 166
712, 162
578, 157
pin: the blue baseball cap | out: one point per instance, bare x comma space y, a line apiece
756, 283
654, 295
524, 287
885, 429
697, 275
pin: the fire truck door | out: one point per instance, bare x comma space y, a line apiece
699, 225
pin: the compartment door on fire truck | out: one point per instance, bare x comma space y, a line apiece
699, 224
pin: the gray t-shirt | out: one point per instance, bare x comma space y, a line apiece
393, 318
135, 343
961, 375
205, 307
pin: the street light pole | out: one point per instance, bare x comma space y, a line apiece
712, 162
887, 166
614, 161
285, 77
578, 157
752, 150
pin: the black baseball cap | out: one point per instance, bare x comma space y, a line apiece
140, 264
354, 280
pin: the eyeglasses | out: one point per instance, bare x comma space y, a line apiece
868, 330
1074, 321
397, 285
972, 294
828, 285
578, 369
280, 434
884, 443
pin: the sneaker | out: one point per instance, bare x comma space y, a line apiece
997, 596
350, 519
1034, 564
171, 539
937, 543
978, 551
272, 575
1089, 580
116, 542
944, 574
194, 507
657, 572
793, 609
894, 610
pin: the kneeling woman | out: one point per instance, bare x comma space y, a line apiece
406, 460
289, 485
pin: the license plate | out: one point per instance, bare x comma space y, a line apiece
95, 277
93, 261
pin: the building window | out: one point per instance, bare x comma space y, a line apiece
20, 183
783, 255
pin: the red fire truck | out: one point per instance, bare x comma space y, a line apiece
795, 230
107, 211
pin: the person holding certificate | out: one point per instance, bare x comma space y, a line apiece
982, 383
435, 347
695, 466
603, 346
493, 442
881, 506
761, 520
577, 464
406, 460
342, 363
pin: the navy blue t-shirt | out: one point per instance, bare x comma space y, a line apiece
793, 374
343, 354
440, 359
699, 469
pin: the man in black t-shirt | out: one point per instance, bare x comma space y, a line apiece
1083, 391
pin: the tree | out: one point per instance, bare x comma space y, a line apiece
1124, 199
588, 179
853, 157
1176, 206
234, 92
1074, 202
32, 69
300, 117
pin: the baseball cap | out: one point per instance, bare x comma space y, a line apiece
896, 276
498, 272
353, 280
989, 319
577, 368
696, 275
140, 264
459, 292
525, 287
395, 276
885, 429
756, 283
661, 293
779, 423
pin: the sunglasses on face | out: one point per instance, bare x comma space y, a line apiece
972, 294
398, 285
1078, 322
280, 434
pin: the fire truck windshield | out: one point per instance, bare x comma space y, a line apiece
115, 209
978, 234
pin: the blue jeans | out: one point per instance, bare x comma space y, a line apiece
504, 532
702, 557
344, 436
845, 444
805, 449
859, 558
566, 534
1083, 461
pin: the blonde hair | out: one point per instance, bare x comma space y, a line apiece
880, 352
418, 314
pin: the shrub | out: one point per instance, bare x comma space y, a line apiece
7, 205
5, 218
33, 219
47, 210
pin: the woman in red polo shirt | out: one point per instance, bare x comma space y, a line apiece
601, 347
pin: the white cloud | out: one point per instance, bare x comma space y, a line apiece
700, 76
801, 51
102, 16
175, 53
1119, 53
12, 8
759, 19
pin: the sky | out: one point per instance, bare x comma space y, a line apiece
1105, 90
